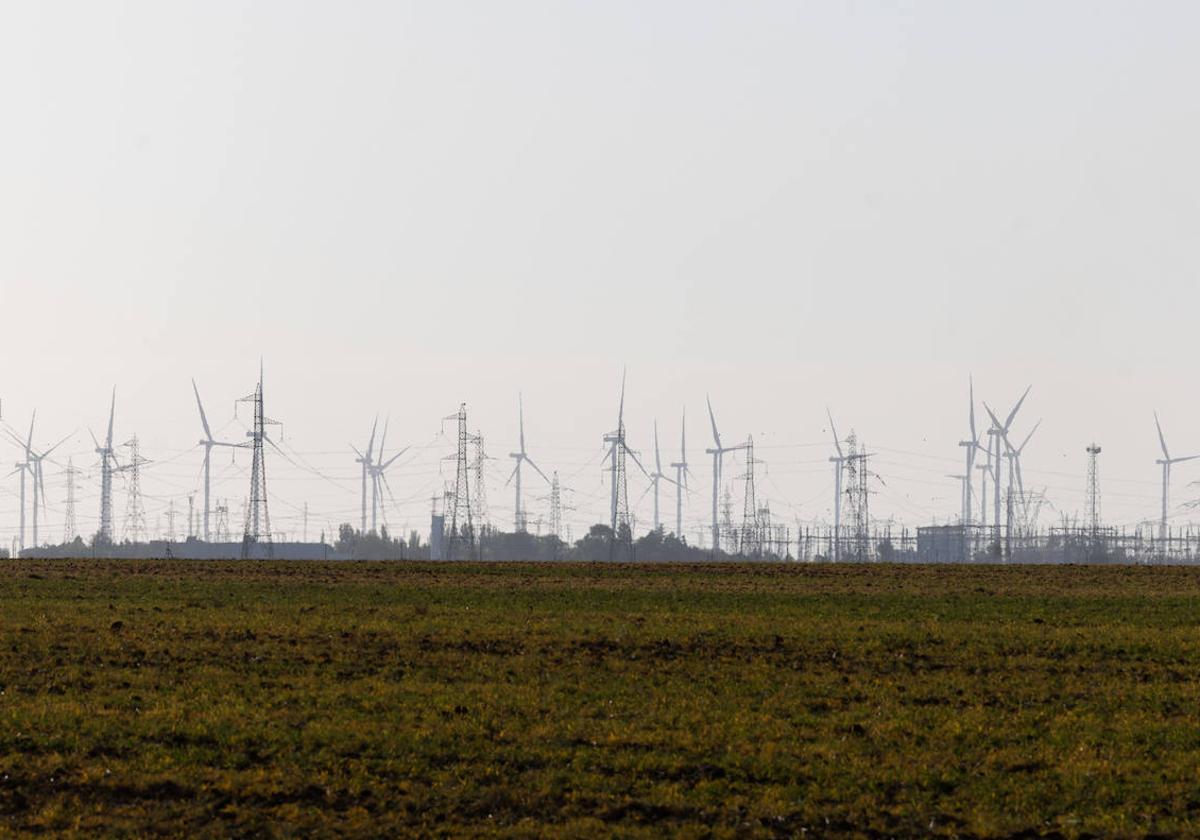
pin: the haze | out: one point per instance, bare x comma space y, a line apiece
401, 207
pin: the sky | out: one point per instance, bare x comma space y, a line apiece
401, 207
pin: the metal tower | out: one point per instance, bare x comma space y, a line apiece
748, 542
461, 510
555, 507
221, 533
481, 504
108, 463
1093, 492
620, 522
135, 514
171, 521
257, 527
69, 528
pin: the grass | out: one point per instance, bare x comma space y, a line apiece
208, 699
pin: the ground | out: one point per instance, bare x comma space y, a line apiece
192, 698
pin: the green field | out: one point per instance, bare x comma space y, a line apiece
365, 699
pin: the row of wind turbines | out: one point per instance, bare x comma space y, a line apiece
1000, 448
998, 443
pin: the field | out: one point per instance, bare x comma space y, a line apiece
364, 699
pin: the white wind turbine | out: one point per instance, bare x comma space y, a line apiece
1166, 462
208, 443
521, 457
656, 477
839, 462
367, 463
718, 454
971, 446
681, 476
33, 465
379, 477
999, 432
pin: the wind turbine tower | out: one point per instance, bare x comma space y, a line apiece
521, 457
971, 446
681, 476
718, 455
367, 462
839, 462
108, 463
1166, 462
656, 478
208, 443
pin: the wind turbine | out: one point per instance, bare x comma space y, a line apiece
681, 476
718, 455
379, 477
24, 467
618, 449
1166, 462
367, 463
39, 480
208, 443
999, 431
521, 457
839, 462
971, 446
656, 477
108, 460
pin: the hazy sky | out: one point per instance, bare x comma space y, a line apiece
786, 205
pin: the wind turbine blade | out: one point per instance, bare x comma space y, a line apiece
629, 452
657, 456
41, 480
1182, 460
55, 446
356, 452
383, 439
203, 417
521, 420
1161, 439
1012, 414
536, 468
683, 438
974, 434
713, 418
833, 429
111, 413
371, 443
1021, 448
93, 434
513, 474
29, 443
621, 409
392, 460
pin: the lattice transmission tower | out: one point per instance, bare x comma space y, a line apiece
481, 504
70, 529
135, 513
257, 528
749, 542
461, 523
